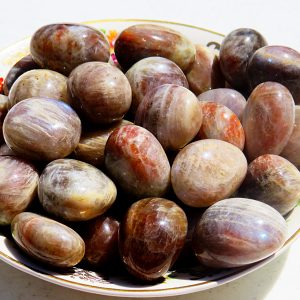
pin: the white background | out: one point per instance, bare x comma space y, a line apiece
278, 21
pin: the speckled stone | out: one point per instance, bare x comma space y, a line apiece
74, 190
149, 73
207, 171
238, 231
172, 113
42, 129
232, 99
151, 237
220, 123
273, 180
38, 83
137, 162
62, 47
145, 40
18, 186
268, 119
47, 240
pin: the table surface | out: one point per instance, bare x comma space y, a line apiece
278, 21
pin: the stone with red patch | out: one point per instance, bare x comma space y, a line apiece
1, 84
232, 99
151, 237
219, 122
137, 162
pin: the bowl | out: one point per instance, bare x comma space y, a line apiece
181, 280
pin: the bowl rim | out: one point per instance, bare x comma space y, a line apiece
172, 291
152, 21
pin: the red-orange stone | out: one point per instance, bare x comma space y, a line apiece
220, 123
137, 162
232, 99
151, 237
268, 119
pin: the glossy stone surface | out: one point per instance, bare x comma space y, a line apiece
3, 112
62, 47
137, 162
292, 149
149, 73
100, 92
268, 119
18, 186
207, 171
23, 65
46, 240
91, 146
151, 237
38, 83
205, 72
238, 231
234, 100
5, 150
172, 113
74, 190
236, 50
145, 40
101, 241
276, 63
220, 123
50, 129
3, 106
273, 180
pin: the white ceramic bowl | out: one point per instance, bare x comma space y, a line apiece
181, 281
